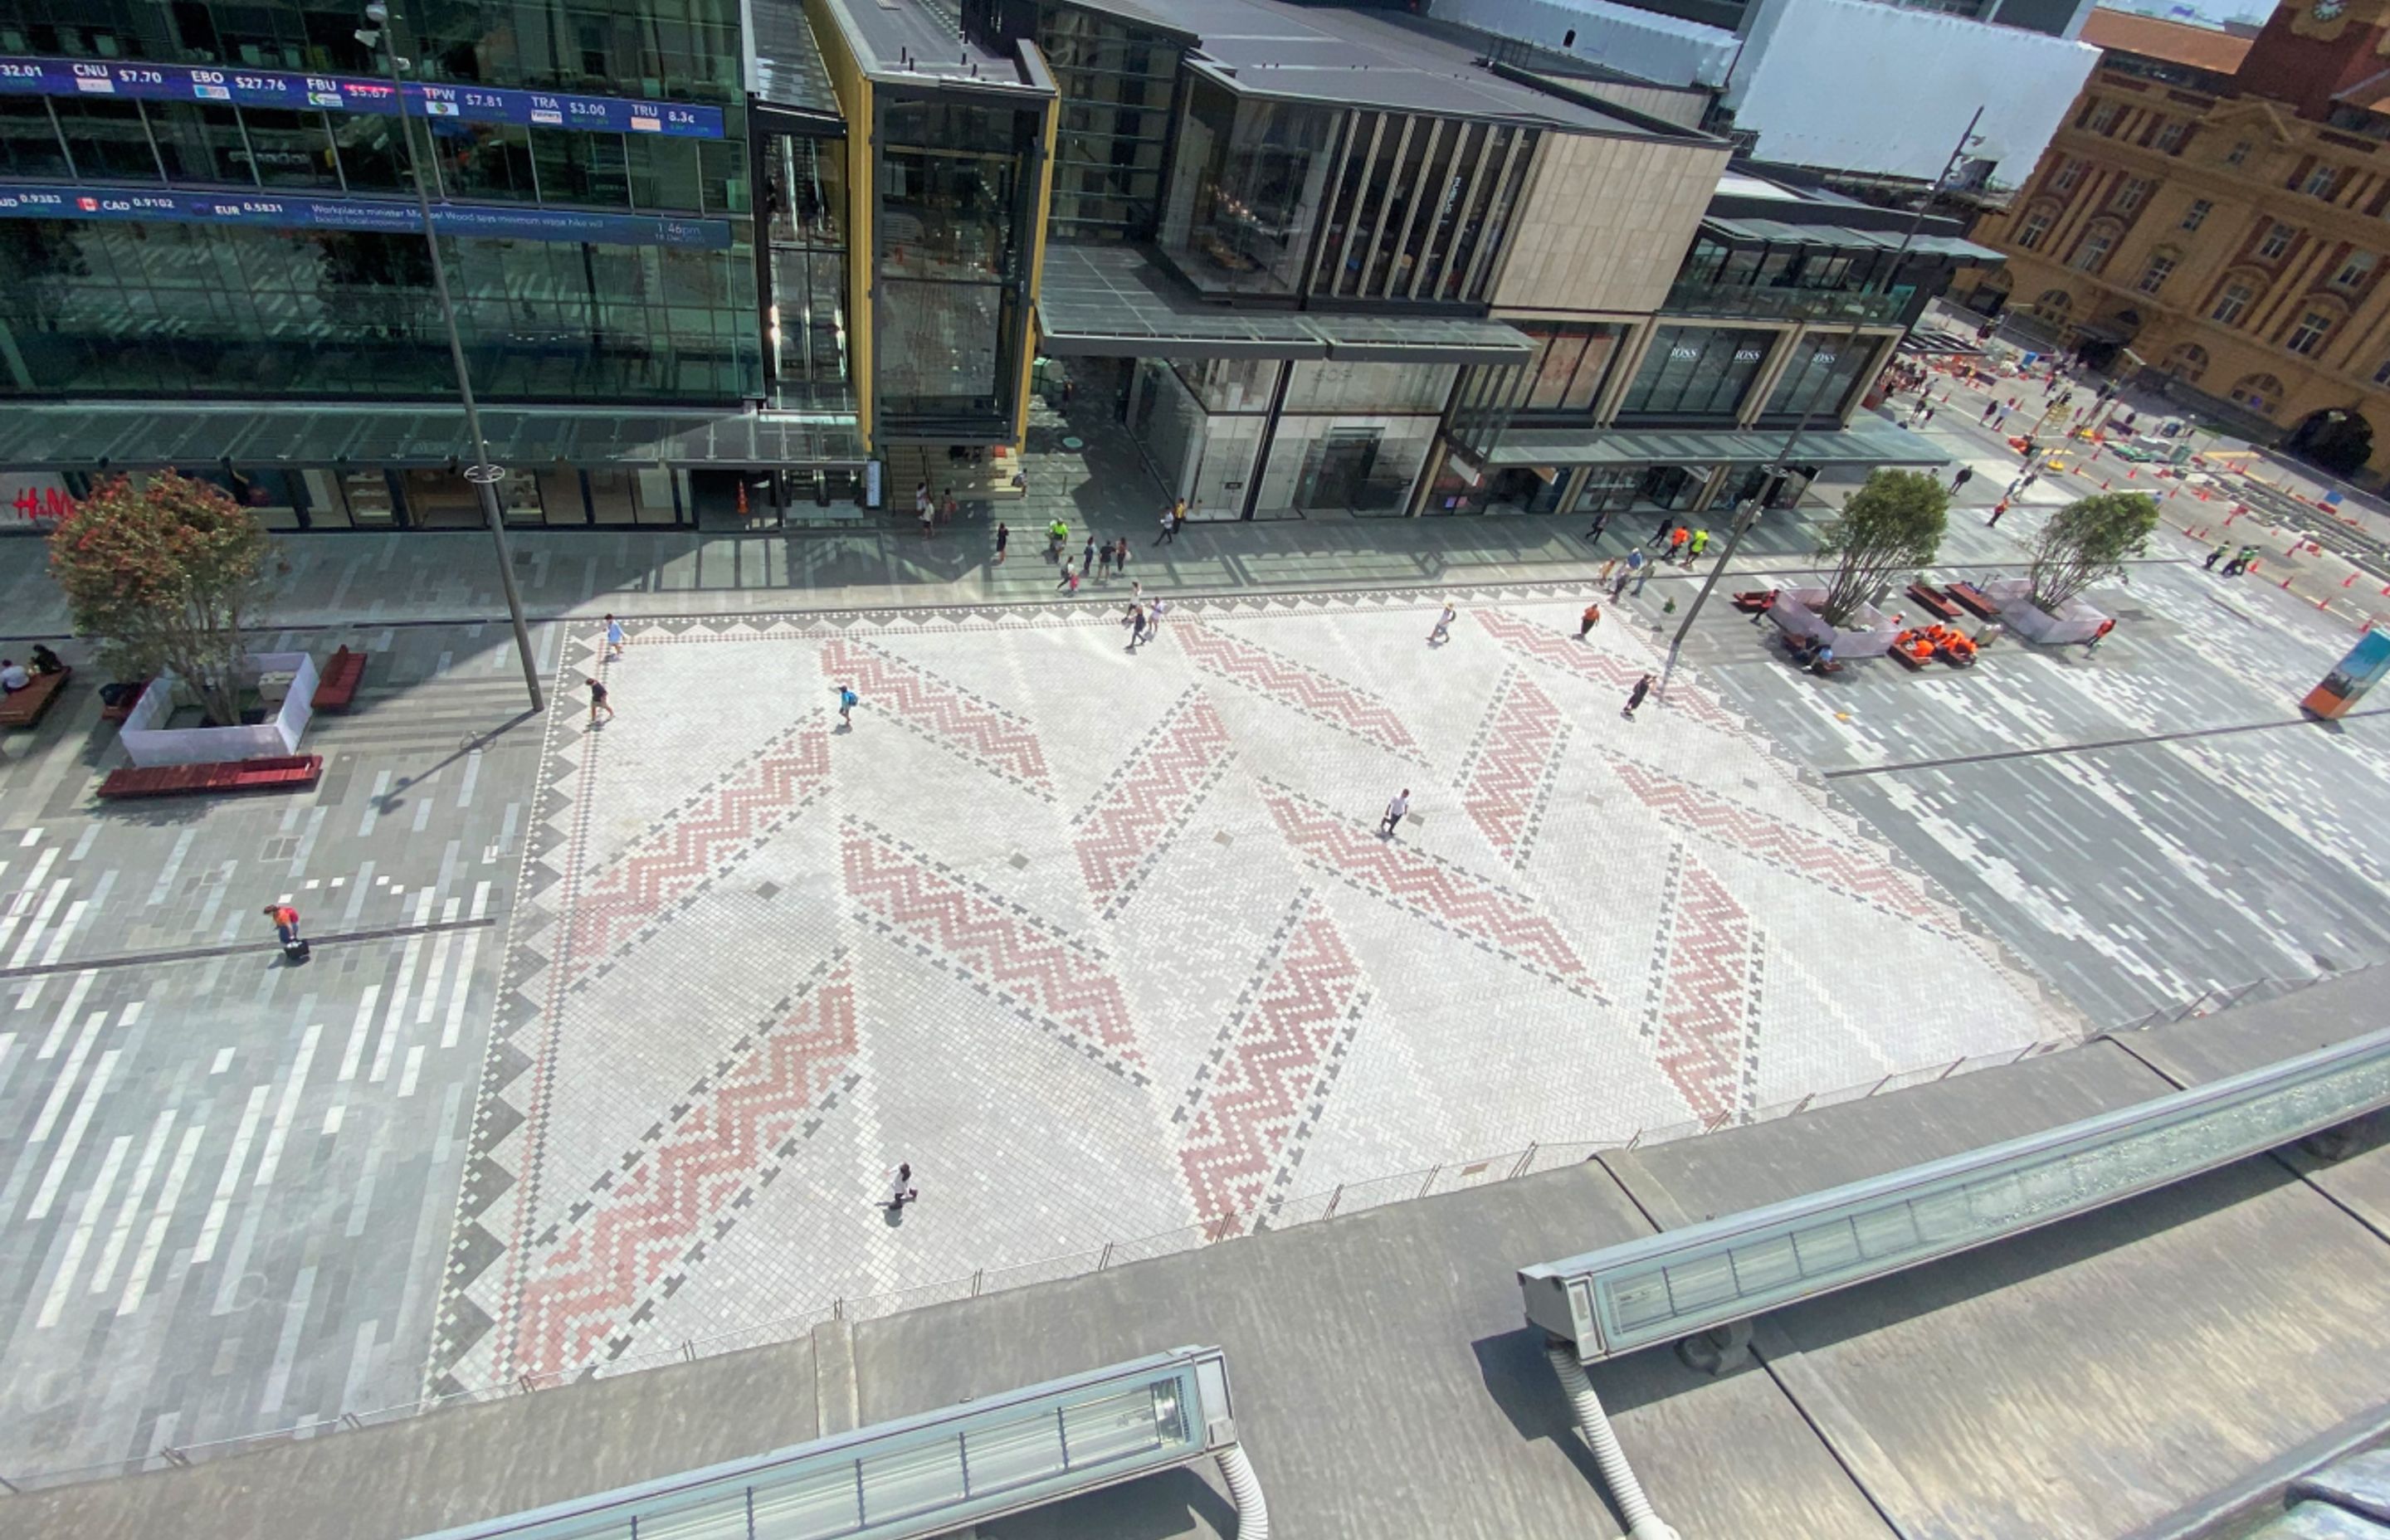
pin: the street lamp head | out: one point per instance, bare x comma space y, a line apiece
378, 13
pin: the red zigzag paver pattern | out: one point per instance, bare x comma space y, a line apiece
1297, 684
678, 857
1464, 902
889, 685
1859, 876
929, 906
1257, 1089
644, 1225
1588, 662
1119, 833
1520, 743
1701, 1008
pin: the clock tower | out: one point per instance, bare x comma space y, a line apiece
2312, 50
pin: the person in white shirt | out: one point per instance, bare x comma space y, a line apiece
1394, 813
13, 676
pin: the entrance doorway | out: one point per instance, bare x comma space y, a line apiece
1336, 469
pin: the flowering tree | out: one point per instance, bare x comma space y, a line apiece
164, 575
1893, 523
2087, 542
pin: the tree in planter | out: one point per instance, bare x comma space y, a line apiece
1892, 524
2087, 542
164, 575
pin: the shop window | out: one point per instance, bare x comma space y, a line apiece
1695, 372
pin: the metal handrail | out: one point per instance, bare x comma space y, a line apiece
1680, 1282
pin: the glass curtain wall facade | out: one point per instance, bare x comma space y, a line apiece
957, 192
1353, 437
1245, 197
1202, 423
171, 306
1695, 375
1420, 206
1117, 83
805, 206
1821, 374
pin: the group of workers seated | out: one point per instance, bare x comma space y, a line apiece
1922, 643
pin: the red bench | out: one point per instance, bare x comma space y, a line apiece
124, 704
1756, 600
1925, 595
338, 685
276, 772
1971, 600
23, 708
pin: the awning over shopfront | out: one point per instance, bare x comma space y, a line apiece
1840, 238
265, 435
1868, 443
1111, 302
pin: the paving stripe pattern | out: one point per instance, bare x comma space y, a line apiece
1299, 686
637, 1230
1510, 773
1438, 889
972, 727
1129, 826
1588, 660
1243, 1115
1703, 1007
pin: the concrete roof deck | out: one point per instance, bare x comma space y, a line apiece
2103, 1376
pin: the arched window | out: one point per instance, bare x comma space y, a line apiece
2098, 239
2053, 304
2236, 295
2187, 362
2258, 392
2318, 318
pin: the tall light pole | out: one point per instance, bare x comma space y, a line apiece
378, 33
1749, 513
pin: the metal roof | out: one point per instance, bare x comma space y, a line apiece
1842, 238
786, 62
1114, 302
1869, 444
265, 434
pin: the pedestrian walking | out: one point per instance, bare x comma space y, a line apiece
1998, 509
921, 505
1695, 546
847, 701
1929, 414
1966, 474
614, 638
1088, 556
901, 1189
1660, 535
1677, 539
2100, 635
1153, 618
1443, 631
285, 930
1991, 406
1587, 621
1120, 556
1136, 623
597, 701
1057, 534
1641, 566
1003, 533
1601, 522
1104, 561
1606, 568
1396, 812
2214, 557
1177, 520
1635, 697
948, 506
1169, 528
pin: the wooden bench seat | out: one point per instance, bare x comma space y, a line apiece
336, 689
1971, 599
23, 708
274, 772
1931, 600
123, 707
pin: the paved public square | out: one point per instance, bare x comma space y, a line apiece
611, 1035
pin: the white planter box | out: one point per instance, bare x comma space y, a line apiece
1795, 612
2078, 621
151, 743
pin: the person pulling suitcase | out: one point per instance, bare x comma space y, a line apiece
286, 926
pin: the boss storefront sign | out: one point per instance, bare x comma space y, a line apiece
480, 104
